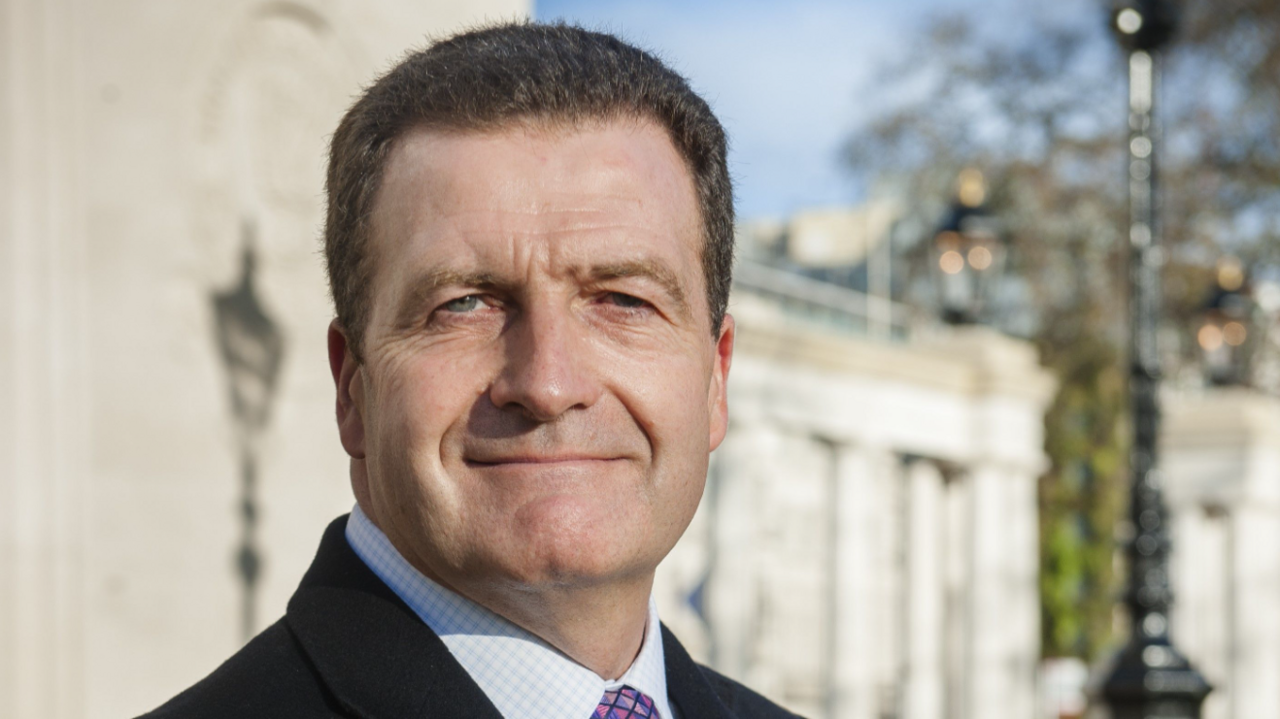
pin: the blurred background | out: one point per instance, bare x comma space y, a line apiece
920, 507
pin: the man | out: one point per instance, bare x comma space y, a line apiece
529, 239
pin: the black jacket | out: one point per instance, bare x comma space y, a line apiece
349, 647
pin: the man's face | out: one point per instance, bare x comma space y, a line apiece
540, 386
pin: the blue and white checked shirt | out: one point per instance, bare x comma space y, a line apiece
522, 675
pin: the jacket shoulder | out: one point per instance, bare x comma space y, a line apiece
268, 677
743, 702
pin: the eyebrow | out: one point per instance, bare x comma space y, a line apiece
651, 270
429, 283
425, 287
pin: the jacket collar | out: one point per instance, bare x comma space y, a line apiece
376, 657
687, 686
381, 662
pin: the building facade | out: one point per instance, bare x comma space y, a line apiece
166, 421
866, 547
1222, 467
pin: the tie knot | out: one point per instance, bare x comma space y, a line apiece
625, 703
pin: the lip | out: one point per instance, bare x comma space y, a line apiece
537, 460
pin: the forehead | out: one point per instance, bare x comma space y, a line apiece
598, 188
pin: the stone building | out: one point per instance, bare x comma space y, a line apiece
866, 547
1222, 467
164, 357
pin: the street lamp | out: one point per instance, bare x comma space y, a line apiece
1224, 334
1149, 678
968, 253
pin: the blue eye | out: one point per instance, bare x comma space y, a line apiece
462, 304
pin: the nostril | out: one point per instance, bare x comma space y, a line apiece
543, 396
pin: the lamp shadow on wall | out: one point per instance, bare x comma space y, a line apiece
251, 346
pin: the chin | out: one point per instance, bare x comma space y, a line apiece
572, 545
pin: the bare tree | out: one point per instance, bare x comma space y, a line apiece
1038, 104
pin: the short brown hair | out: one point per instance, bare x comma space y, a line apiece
491, 77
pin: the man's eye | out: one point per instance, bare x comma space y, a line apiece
462, 304
624, 300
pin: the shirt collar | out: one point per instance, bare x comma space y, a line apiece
520, 673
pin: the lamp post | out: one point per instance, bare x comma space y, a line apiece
1224, 334
968, 254
1149, 678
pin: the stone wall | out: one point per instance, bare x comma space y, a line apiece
147, 148
1221, 450
867, 546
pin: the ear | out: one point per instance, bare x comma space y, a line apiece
346, 371
718, 392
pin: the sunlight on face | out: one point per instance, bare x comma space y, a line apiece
541, 388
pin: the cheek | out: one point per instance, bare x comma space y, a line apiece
418, 398
667, 396
680, 414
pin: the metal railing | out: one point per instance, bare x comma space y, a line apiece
829, 305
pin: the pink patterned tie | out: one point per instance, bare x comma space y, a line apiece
625, 703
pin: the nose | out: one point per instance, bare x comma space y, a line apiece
548, 368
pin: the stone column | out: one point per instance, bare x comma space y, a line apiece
43, 425
1024, 579
924, 686
732, 593
1004, 600
1202, 618
861, 473
890, 580
794, 555
957, 544
1255, 596
988, 692
1004, 459
1222, 468
934, 609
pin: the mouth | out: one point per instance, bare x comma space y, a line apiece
535, 460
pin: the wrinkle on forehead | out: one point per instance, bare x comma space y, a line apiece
623, 183
567, 183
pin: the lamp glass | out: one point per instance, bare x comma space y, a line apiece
1129, 21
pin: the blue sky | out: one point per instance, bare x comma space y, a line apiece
789, 80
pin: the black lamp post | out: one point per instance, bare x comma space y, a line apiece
968, 253
1224, 335
1149, 678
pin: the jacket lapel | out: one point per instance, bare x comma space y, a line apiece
381, 661
376, 656
687, 687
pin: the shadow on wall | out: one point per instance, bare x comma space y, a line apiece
251, 346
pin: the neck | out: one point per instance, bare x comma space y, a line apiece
602, 628
598, 625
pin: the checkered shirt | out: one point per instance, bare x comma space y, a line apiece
522, 675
